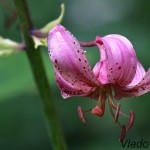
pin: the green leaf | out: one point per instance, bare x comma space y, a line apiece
53, 23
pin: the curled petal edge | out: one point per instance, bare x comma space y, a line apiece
141, 88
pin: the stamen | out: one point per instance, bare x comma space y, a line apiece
117, 112
97, 111
80, 112
88, 44
116, 115
112, 113
123, 133
114, 106
131, 120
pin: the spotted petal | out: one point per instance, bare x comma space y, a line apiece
140, 73
118, 60
140, 88
73, 72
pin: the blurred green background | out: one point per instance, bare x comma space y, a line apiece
22, 124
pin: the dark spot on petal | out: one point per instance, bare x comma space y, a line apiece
56, 61
119, 67
85, 61
79, 59
74, 43
116, 63
83, 67
78, 51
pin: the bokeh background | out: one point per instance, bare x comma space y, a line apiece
22, 124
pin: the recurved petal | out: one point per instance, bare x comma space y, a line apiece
123, 39
129, 59
140, 73
101, 72
110, 56
71, 89
119, 60
69, 59
141, 88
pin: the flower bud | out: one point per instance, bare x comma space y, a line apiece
8, 46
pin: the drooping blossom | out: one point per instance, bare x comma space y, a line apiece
118, 72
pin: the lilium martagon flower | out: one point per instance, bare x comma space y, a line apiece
117, 74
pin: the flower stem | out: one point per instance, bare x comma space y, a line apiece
88, 44
41, 80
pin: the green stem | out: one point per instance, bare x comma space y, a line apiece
41, 80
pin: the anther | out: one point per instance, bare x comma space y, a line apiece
80, 112
123, 134
131, 120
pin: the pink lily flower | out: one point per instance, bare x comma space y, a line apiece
118, 71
